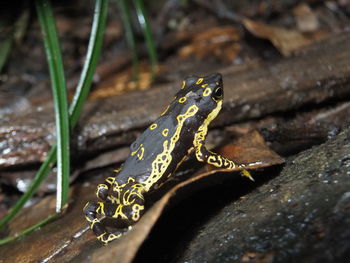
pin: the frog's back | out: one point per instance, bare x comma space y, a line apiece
161, 148
158, 150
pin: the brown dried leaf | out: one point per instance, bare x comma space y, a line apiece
68, 239
58, 241
124, 82
306, 19
255, 257
251, 150
247, 149
287, 41
221, 42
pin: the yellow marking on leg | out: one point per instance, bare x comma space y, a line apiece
136, 209
86, 205
111, 179
100, 236
111, 237
126, 198
129, 196
101, 208
183, 84
104, 186
119, 212
93, 222
113, 199
213, 160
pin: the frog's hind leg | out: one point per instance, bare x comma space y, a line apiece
128, 212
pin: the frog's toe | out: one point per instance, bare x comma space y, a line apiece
105, 238
247, 174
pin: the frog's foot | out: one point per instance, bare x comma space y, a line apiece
106, 237
124, 214
91, 210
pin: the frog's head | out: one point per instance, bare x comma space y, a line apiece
205, 92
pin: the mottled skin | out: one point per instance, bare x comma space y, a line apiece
156, 154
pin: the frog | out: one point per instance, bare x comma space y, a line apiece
158, 152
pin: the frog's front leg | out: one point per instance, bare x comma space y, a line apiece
205, 155
127, 212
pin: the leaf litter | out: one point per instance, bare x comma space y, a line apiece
69, 239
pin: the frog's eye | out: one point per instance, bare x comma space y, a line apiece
218, 93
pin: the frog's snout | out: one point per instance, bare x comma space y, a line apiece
215, 77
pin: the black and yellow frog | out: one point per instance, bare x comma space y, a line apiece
158, 152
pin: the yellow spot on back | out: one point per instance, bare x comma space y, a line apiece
165, 132
139, 151
199, 81
204, 85
182, 100
153, 126
206, 92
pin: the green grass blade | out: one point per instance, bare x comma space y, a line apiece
13, 36
5, 50
28, 230
143, 20
38, 179
125, 15
58, 84
92, 56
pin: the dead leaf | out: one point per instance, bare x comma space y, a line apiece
287, 41
124, 81
306, 19
256, 257
220, 42
69, 239
251, 150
